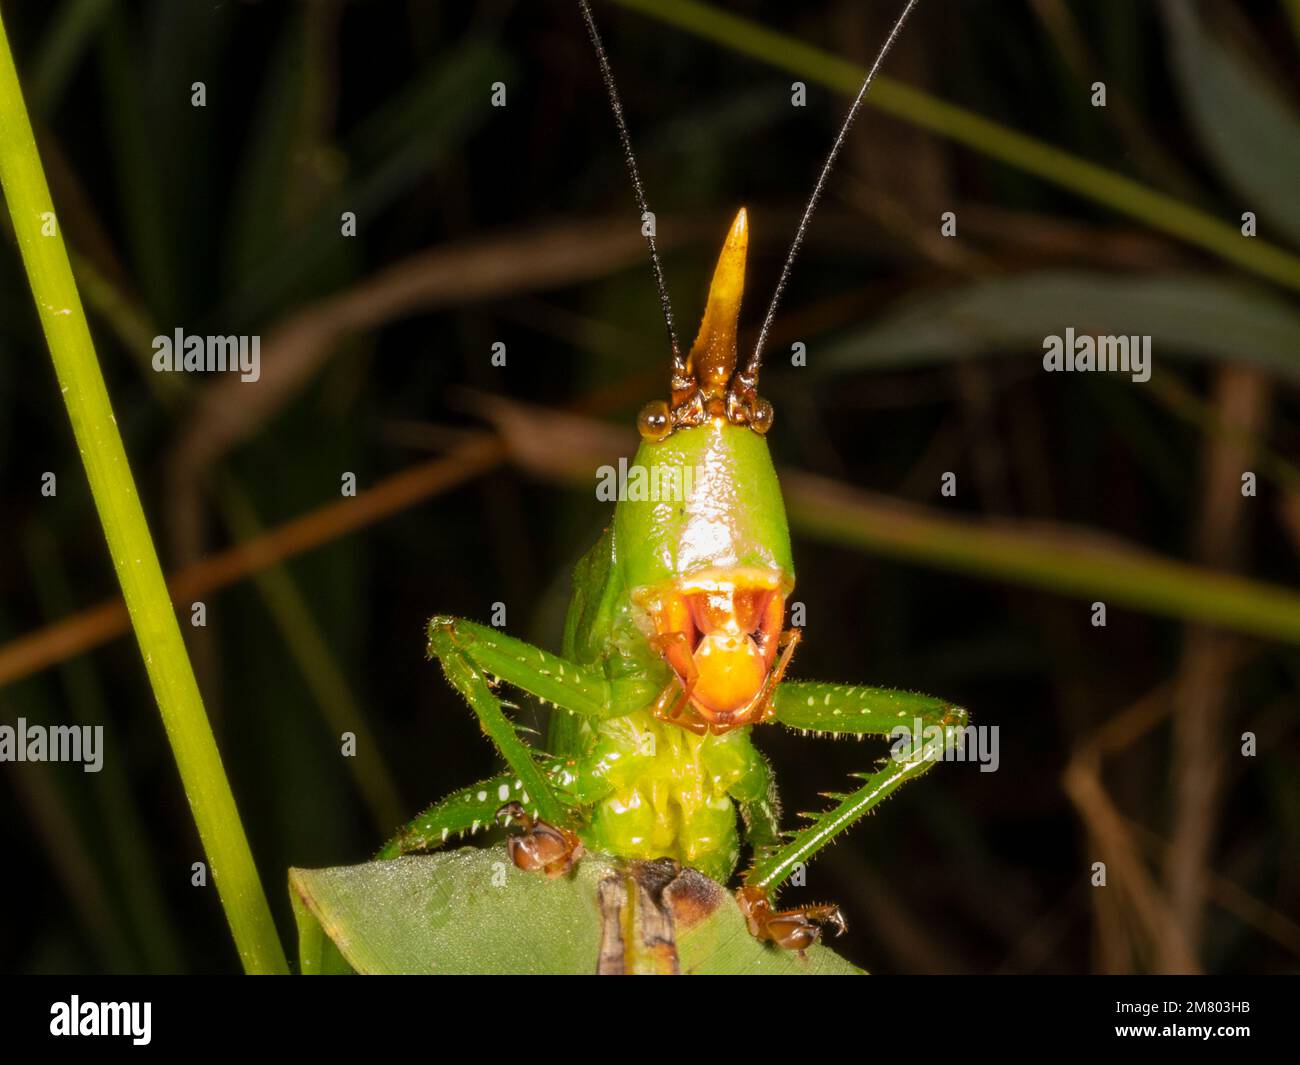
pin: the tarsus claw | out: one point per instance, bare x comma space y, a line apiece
795, 929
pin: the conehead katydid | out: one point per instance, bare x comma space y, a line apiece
675, 648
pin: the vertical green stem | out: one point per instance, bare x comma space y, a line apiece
134, 558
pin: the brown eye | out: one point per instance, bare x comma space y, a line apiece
761, 418
654, 422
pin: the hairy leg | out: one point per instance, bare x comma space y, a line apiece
475, 657
462, 811
854, 710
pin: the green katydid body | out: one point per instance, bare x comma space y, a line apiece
637, 785
670, 655
656, 789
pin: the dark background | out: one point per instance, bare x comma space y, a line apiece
225, 219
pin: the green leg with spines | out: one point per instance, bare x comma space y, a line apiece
475, 657
844, 710
547, 676
462, 811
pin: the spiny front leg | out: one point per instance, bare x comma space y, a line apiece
452, 650
471, 653
467, 810
549, 677
796, 929
848, 710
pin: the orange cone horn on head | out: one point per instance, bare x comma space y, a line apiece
712, 360
711, 387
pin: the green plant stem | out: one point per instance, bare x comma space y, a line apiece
1096, 183
130, 545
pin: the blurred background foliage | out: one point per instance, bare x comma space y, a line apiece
478, 224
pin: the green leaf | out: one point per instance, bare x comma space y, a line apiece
317, 954
471, 911
1245, 125
1187, 315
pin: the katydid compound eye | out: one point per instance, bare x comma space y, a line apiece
654, 421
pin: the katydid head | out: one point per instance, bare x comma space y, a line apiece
706, 384
709, 566
705, 555
711, 575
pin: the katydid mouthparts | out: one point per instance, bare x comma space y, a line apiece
676, 647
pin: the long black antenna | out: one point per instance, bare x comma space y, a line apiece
755, 360
607, 75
